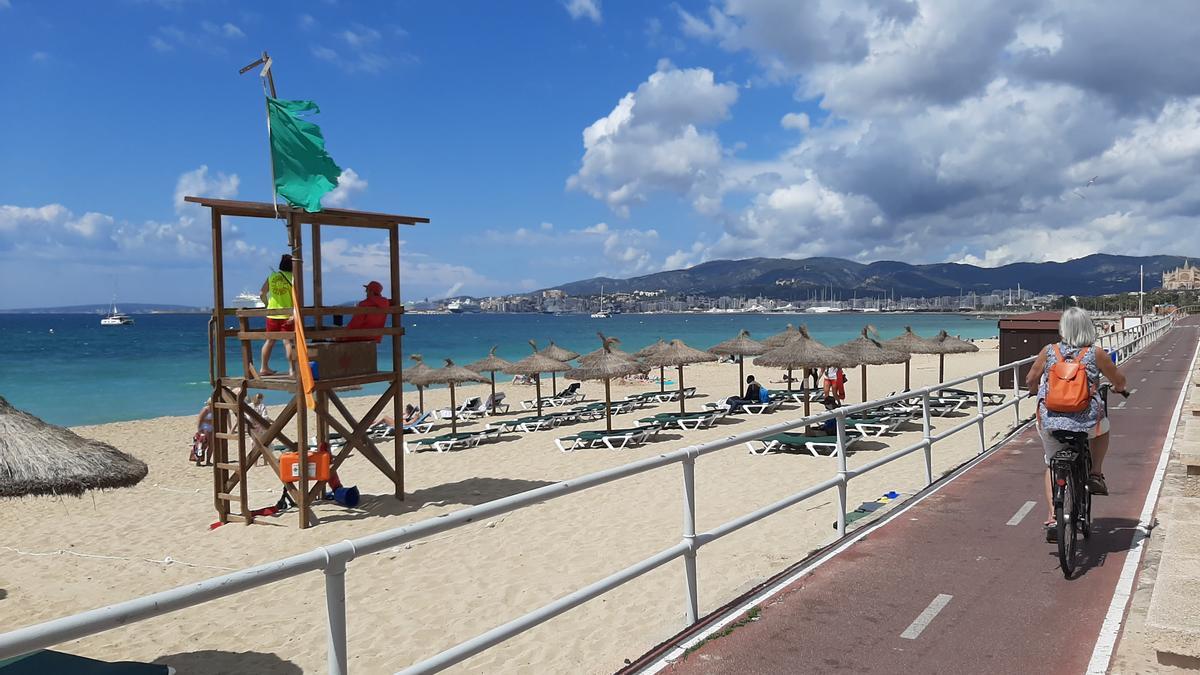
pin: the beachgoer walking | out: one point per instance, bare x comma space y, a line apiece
277, 294
202, 442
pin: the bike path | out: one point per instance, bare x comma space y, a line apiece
949, 586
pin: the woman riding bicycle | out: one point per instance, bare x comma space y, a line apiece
1078, 335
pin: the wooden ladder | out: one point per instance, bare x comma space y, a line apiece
229, 474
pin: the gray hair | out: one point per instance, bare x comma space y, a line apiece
1076, 328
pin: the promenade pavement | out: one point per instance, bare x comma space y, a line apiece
964, 581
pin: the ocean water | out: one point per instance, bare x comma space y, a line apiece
82, 373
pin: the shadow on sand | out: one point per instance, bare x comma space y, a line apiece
468, 492
213, 662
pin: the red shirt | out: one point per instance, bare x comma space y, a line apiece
369, 321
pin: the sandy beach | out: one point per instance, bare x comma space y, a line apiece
61, 556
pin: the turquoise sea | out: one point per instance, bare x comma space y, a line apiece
82, 373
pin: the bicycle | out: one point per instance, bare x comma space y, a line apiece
1070, 468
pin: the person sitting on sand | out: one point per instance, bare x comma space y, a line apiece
277, 294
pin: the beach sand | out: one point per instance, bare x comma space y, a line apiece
61, 556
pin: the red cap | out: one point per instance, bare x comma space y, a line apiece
374, 288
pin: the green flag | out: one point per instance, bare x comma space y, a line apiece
304, 171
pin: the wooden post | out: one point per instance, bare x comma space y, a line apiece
398, 360
662, 380
680, 388
218, 346
607, 405
318, 295
941, 368
741, 376
907, 386
295, 236
537, 390
493, 393
864, 382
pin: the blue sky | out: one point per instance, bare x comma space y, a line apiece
920, 131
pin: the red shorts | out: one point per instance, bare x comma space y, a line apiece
277, 325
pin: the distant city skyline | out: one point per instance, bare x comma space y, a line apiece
557, 141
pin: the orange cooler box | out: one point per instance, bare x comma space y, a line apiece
318, 466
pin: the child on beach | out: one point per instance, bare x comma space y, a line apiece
202, 441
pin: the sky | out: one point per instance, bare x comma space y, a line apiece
556, 140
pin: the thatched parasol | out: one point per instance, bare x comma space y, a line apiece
37, 458
490, 365
558, 354
535, 364
411, 375
866, 350
647, 351
451, 375
950, 345
779, 339
677, 354
607, 364
741, 347
911, 343
801, 351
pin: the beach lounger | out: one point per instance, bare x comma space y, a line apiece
989, 397
685, 421
616, 439
877, 425
444, 442
761, 408
472, 405
811, 444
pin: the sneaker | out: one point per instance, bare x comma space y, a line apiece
1096, 484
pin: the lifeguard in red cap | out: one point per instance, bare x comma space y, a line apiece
374, 298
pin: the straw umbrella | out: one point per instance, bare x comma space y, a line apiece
414, 374
801, 351
741, 347
647, 351
450, 375
558, 354
535, 364
607, 364
950, 345
37, 458
677, 354
866, 350
780, 339
490, 365
911, 343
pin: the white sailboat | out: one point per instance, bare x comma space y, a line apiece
115, 317
601, 314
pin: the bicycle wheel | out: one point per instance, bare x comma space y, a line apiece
1066, 515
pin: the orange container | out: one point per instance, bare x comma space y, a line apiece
318, 466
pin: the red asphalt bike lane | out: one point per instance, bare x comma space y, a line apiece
1010, 610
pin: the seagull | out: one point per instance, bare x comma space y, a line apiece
1093, 180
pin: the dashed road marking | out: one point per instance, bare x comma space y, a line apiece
1021, 513
923, 619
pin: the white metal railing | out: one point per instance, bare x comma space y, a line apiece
332, 559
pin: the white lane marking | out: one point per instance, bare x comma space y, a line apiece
1102, 653
1142, 380
1121, 405
1021, 513
923, 619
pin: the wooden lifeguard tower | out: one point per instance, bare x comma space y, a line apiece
254, 437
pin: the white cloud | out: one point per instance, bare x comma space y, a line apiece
652, 140
349, 184
211, 37
796, 121
4, 4
583, 9
307, 21
39, 57
224, 30
349, 264
362, 49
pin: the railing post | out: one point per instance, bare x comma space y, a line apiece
1017, 395
691, 602
979, 409
842, 472
336, 557
927, 426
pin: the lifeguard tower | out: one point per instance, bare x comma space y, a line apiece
341, 365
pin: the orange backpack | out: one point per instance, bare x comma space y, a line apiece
1067, 387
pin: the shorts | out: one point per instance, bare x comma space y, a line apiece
281, 325
1051, 446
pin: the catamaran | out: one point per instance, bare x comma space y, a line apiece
116, 318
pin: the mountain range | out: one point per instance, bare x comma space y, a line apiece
788, 279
